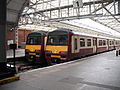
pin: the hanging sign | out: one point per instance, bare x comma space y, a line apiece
77, 4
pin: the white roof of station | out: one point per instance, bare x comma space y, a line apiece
14, 10
94, 15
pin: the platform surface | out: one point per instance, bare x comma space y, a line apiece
99, 72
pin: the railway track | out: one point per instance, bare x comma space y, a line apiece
21, 65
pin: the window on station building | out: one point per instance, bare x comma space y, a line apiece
100, 42
82, 42
104, 42
88, 42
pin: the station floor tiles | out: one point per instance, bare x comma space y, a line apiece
98, 72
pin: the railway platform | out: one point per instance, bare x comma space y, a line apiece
98, 72
8, 75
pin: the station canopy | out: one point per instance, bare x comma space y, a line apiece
14, 10
100, 17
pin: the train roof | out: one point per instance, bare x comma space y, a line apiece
39, 32
61, 31
65, 31
90, 35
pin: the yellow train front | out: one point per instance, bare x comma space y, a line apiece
34, 49
57, 47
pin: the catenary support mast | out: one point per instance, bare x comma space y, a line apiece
2, 35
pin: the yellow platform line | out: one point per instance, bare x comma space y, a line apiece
10, 79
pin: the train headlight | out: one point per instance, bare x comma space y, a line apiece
48, 52
63, 55
37, 52
27, 50
63, 52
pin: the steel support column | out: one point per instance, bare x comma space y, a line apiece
118, 7
2, 35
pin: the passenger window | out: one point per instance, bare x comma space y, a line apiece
88, 42
116, 42
82, 42
110, 42
75, 44
104, 42
100, 42
94, 42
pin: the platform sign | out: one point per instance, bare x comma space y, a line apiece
78, 4
13, 46
2, 32
9, 42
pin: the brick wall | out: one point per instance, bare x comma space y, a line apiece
22, 36
9, 38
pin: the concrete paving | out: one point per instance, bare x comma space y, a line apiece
98, 72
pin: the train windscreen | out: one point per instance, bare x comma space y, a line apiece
33, 40
57, 40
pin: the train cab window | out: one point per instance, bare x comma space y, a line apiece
57, 40
100, 42
82, 42
75, 44
104, 42
88, 42
33, 40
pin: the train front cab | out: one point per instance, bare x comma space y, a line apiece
72, 46
34, 49
57, 47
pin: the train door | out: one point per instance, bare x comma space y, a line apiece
45, 41
94, 45
107, 44
75, 48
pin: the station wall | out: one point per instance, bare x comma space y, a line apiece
19, 36
22, 36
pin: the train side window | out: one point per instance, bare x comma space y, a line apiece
94, 42
100, 42
33, 40
75, 44
116, 42
104, 42
88, 42
82, 42
110, 43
